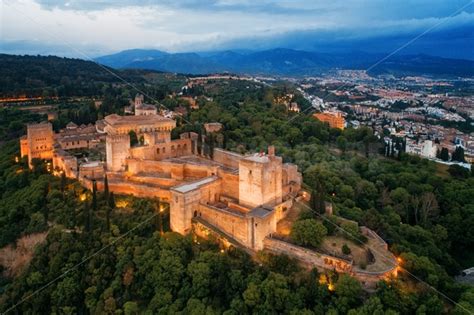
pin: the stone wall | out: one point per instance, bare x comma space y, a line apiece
230, 184
153, 180
65, 162
185, 202
306, 256
94, 170
127, 188
232, 223
227, 158
199, 171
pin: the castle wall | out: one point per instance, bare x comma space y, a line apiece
231, 223
306, 256
153, 180
230, 184
143, 153
128, 188
139, 166
185, 201
199, 171
262, 227
162, 150
93, 170
227, 158
66, 163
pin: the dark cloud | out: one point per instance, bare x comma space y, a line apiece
199, 25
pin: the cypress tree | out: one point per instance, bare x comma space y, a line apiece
211, 145
63, 182
444, 155
199, 142
94, 195
106, 188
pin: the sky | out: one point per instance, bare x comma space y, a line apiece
92, 28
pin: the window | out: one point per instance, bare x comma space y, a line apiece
158, 151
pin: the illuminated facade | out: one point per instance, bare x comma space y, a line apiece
334, 119
38, 142
242, 196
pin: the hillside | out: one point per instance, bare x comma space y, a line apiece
34, 76
286, 62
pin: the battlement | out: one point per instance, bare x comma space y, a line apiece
120, 138
41, 125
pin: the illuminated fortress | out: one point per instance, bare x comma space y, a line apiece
241, 196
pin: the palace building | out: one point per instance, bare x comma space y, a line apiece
334, 119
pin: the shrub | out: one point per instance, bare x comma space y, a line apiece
346, 250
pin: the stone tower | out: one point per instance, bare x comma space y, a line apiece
117, 150
260, 180
39, 142
138, 100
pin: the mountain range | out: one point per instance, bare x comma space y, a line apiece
286, 62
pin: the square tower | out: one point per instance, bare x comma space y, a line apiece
117, 150
260, 180
40, 141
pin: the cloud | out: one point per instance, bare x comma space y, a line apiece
104, 26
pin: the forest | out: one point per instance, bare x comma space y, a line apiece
425, 212
51, 76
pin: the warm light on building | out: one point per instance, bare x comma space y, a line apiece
162, 208
82, 197
121, 204
334, 119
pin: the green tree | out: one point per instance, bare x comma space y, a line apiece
348, 291
131, 308
342, 143
444, 154
458, 154
133, 138
308, 232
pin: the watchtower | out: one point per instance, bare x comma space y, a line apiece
117, 150
260, 180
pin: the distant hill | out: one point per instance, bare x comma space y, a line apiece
56, 76
129, 56
285, 62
